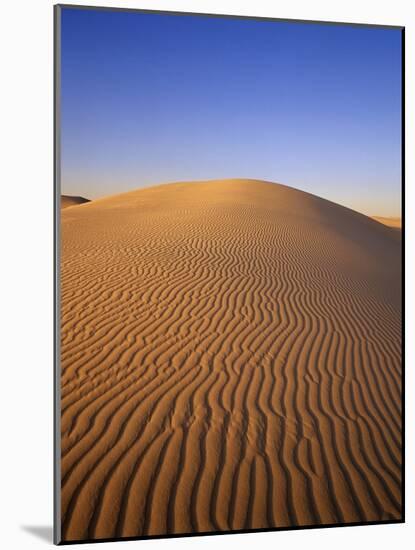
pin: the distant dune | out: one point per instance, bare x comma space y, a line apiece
391, 222
231, 359
67, 200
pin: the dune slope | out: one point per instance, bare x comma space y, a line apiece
231, 359
390, 222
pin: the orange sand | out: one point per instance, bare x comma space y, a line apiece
390, 222
231, 359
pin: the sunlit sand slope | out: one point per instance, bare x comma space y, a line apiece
231, 359
391, 222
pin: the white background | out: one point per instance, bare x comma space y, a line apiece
26, 272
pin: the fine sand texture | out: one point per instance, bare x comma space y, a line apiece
231, 359
68, 200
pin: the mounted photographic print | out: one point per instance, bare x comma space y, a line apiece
228, 205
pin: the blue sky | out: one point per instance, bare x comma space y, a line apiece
151, 98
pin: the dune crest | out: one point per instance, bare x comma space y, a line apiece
231, 359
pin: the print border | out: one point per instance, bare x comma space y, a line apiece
56, 264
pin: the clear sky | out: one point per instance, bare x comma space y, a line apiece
150, 98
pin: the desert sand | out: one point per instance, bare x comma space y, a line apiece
390, 222
231, 359
68, 200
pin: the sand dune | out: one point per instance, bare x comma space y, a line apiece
231, 359
67, 200
390, 222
